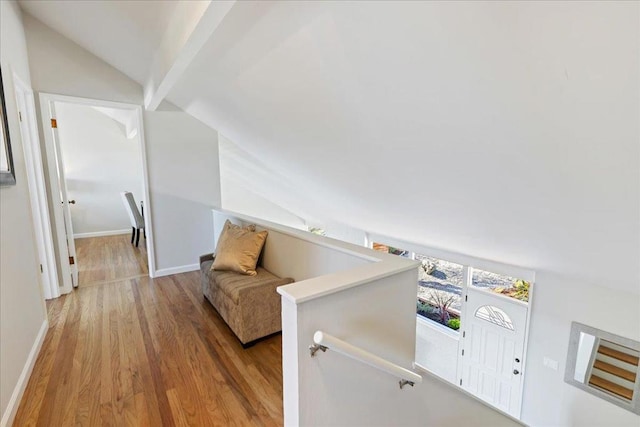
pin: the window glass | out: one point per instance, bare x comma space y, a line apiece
317, 230
440, 290
495, 315
505, 285
391, 250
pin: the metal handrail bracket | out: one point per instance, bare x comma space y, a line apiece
323, 341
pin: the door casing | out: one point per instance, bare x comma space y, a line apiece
47, 109
37, 188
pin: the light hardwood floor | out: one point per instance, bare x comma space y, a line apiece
109, 258
149, 352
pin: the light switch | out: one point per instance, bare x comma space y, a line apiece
550, 363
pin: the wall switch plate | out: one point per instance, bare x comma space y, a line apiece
550, 363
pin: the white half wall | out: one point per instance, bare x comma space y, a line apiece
290, 252
100, 162
366, 298
333, 390
22, 310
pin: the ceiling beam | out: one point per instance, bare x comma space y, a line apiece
192, 24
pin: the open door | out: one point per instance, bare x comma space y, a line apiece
61, 203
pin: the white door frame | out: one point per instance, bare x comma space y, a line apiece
47, 99
37, 188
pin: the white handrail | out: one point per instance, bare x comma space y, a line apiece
324, 341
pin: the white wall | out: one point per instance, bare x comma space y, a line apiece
184, 181
100, 162
22, 311
437, 349
237, 198
250, 187
556, 303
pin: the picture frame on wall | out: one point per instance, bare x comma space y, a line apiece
7, 172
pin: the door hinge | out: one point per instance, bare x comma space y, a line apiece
54, 123
460, 381
466, 298
463, 334
72, 260
41, 269
20, 115
463, 351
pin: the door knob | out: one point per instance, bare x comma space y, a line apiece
73, 202
517, 360
516, 372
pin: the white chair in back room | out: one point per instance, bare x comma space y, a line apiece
137, 222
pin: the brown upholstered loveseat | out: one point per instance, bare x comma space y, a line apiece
249, 304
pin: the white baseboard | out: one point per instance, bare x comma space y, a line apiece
101, 233
176, 270
23, 380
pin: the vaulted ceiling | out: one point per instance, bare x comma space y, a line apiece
508, 131
125, 34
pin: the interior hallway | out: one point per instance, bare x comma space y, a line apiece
149, 352
109, 258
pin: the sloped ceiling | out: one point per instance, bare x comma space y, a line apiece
507, 131
504, 130
126, 119
125, 34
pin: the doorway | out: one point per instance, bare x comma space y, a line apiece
95, 152
472, 321
492, 356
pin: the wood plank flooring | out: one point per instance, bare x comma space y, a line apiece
109, 258
149, 352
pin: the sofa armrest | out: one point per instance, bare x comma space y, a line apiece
207, 257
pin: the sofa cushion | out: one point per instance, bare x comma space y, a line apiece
238, 249
233, 285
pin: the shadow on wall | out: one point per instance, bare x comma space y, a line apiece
183, 230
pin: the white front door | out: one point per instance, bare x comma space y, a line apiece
493, 349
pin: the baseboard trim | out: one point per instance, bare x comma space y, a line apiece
101, 233
176, 270
12, 408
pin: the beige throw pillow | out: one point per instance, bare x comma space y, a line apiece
238, 249
228, 224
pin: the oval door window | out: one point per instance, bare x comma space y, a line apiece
495, 315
